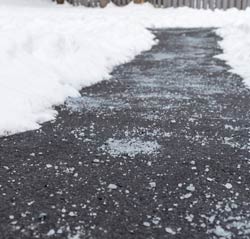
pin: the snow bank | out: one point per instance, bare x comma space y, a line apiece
50, 52
236, 48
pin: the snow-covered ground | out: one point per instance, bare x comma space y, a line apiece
49, 52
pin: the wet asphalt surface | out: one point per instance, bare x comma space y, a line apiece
159, 151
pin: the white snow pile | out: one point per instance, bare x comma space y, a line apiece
49, 52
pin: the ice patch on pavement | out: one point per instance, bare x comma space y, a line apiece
156, 95
82, 103
130, 147
159, 56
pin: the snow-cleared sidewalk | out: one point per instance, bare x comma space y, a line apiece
48, 53
159, 151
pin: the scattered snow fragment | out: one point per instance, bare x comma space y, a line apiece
190, 217
63, 210
59, 231
203, 225
210, 179
229, 127
156, 220
170, 230
152, 184
185, 196
112, 186
73, 214
49, 166
51, 232
211, 219
30, 203
146, 224
190, 188
228, 185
